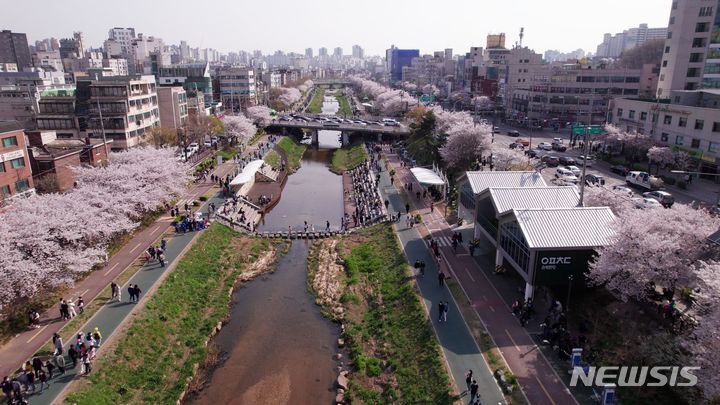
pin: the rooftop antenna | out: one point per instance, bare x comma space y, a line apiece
522, 34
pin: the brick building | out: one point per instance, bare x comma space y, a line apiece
15, 172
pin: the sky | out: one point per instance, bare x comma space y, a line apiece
293, 25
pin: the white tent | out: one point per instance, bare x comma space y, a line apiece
248, 173
427, 176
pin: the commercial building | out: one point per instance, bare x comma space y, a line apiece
56, 113
15, 171
358, 52
119, 42
543, 94
538, 231
614, 45
396, 59
128, 106
193, 77
689, 121
237, 87
173, 107
14, 49
691, 58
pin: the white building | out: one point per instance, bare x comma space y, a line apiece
119, 41
614, 45
237, 87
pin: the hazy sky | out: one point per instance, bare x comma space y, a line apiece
293, 25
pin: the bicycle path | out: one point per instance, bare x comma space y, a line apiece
456, 341
538, 380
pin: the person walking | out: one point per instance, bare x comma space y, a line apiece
161, 258
37, 365
468, 378
137, 293
50, 366
327, 226
441, 311
441, 278
97, 336
60, 363
71, 308
432, 206
73, 355
454, 244
131, 293
473, 390
58, 343
407, 208
43, 378
81, 305
446, 308
422, 268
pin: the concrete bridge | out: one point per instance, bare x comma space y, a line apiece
343, 126
332, 82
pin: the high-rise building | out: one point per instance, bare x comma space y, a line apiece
309, 53
14, 49
691, 58
396, 59
322, 52
184, 51
358, 52
614, 45
338, 52
123, 37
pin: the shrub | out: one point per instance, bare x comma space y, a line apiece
196, 203
616, 162
203, 198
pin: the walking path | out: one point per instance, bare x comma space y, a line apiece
24, 345
539, 381
459, 347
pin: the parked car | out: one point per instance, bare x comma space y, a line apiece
515, 145
588, 161
544, 145
496, 130
663, 197
286, 118
594, 180
551, 161
619, 169
567, 161
646, 203
623, 189
559, 147
513, 133
566, 175
523, 142
574, 169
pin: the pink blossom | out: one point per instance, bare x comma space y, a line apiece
239, 126
260, 115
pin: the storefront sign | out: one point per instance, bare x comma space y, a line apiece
12, 155
554, 267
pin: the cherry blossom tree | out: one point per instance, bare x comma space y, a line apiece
618, 202
260, 115
465, 144
652, 247
633, 144
240, 127
505, 159
49, 240
430, 89
661, 156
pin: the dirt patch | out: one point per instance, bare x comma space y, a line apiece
327, 279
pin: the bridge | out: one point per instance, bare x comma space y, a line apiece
313, 125
332, 82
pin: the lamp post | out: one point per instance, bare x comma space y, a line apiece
102, 125
567, 303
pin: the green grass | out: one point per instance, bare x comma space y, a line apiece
227, 154
390, 325
157, 352
273, 159
345, 109
293, 153
348, 158
315, 106
259, 134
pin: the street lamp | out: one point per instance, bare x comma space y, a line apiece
567, 303
102, 125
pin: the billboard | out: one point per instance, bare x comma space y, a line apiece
552, 267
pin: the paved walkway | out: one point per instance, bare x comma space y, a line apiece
537, 378
24, 345
459, 347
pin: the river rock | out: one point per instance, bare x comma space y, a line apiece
341, 343
340, 398
337, 356
342, 381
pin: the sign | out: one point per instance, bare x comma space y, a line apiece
426, 98
582, 130
554, 267
12, 155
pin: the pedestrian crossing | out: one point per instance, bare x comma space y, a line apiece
443, 241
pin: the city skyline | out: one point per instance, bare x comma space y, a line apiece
409, 28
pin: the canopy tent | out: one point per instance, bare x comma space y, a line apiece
248, 173
427, 177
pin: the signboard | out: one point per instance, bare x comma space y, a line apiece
12, 155
554, 267
426, 98
582, 130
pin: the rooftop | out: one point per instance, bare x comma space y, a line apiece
566, 227
480, 181
7, 126
509, 198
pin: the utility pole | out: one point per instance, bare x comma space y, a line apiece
102, 125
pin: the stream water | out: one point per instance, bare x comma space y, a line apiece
277, 347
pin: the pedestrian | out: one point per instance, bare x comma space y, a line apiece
468, 378
441, 311
327, 226
71, 308
441, 278
454, 244
131, 293
473, 390
114, 291
60, 363
43, 378
407, 208
161, 258
432, 206
58, 343
73, 355
30, 380
87, 364
97, 336
422, 268
81, 305
137, 293
471, 248
446, 308
6, 387
37, 365
50, 366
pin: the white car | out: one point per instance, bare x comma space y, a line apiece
646, 202
623, 190
566, 175
582, 159
544, 146
574, 169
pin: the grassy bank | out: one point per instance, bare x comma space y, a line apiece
345, 109
392, 345
348, 158
259, 134
151, 361
273, 159
293, 153
315, 106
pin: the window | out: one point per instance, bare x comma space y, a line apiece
664, 63
5, 190
716, 126
679, 140
696, 57
699, 124
2, 167
702, 27
619, 112
699, 43
21, 185
631, 114
695, 143
669, 35
672, 20
664, 137
693, 72
682, 122
705, 11
667, 120
713, 147
17, 163
643, 115
667, 49
9, 141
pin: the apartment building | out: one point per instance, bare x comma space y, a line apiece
614, 45
237, 87
15, 171
14, 49
173, 106
691, 58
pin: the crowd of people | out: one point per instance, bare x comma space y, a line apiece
236, 210
368, 205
